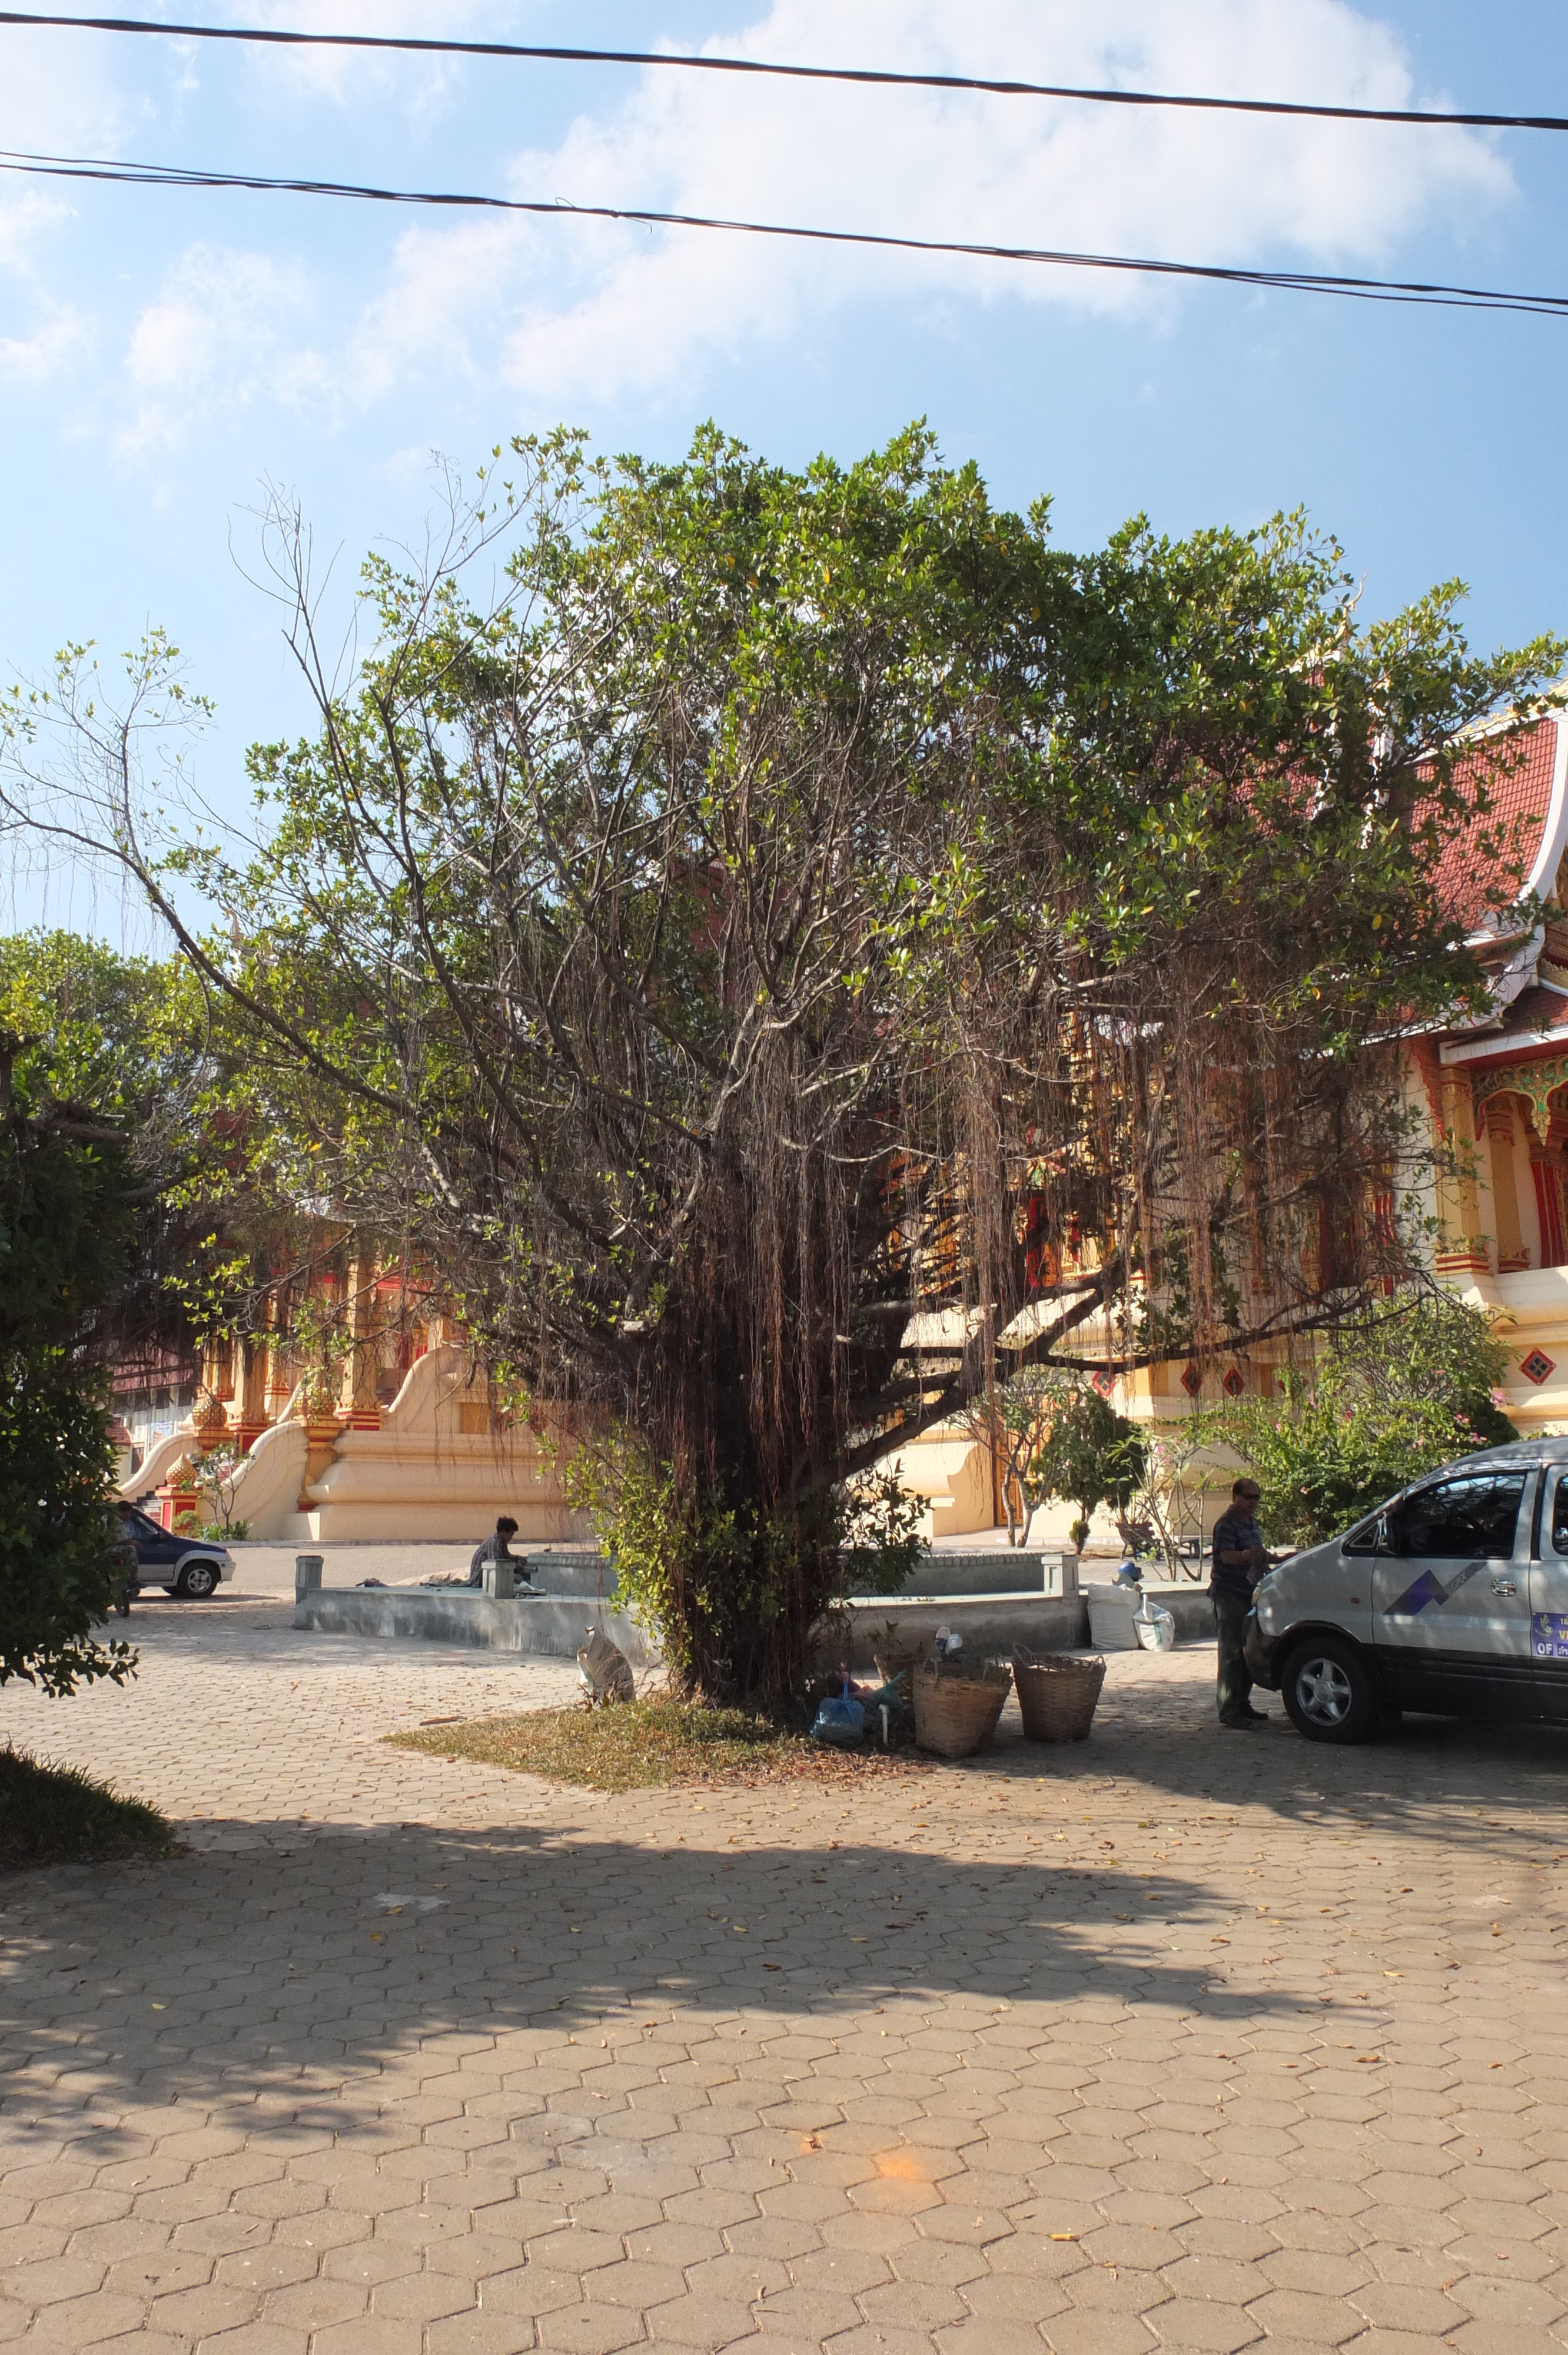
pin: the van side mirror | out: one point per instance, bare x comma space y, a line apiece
1388, 1535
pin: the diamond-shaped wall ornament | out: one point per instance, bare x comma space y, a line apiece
1235, 1385
1192, 1378
1104, 1384
1537, 1366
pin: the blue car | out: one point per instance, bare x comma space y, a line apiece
181, 1565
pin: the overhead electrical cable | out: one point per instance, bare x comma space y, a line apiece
875, 77
1302, 282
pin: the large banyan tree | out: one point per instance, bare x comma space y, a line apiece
808, 942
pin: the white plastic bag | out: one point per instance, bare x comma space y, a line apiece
1155, 1626
1111, 1624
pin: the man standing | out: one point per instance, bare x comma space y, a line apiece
1240, 1559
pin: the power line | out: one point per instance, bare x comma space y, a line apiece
862, 74
1300, 282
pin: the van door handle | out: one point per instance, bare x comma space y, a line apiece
1504, 1586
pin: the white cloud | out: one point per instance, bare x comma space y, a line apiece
226, 331
54, 93
644, 311
53, 97
350, 76
565, 311
61, 335
24, 219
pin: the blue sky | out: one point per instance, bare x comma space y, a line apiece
163, 355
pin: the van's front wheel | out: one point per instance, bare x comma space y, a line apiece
1330, 1692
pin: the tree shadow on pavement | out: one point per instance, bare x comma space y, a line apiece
1442, 1783
288, 1970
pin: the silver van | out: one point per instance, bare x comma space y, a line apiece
1453, 1598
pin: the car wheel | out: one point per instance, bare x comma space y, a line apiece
197, 1580
1330, 1692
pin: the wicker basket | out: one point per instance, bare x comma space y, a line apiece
896, 1661
1057, 1694
956, 1715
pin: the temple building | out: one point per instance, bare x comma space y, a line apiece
403, 1443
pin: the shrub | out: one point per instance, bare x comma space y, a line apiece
57, 1815
1396, 1396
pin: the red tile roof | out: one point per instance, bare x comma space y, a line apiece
1500, 846
1532, 1012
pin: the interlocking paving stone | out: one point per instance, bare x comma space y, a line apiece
344, 2078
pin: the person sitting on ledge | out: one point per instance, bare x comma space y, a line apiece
499, 1549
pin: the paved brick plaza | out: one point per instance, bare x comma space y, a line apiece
1180, 2040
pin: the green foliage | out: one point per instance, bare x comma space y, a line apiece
65, 1240
218, 1478
140, 1049
113, 1036
94, 1069
1090, 1455
879, 1545
57, 1576
732, 1594
59, 1814
1396, 1396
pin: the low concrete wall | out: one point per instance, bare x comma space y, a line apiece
579, 1569
583, 1570
998, 1623
553, 1626
993, 1570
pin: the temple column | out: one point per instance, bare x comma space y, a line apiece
359, 1406
1546, 1172
252, 1418
1463, 1248
278, 1383
1513, 1253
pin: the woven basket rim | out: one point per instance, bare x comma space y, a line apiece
964, 1710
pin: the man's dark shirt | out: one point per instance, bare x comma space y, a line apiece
496, 1548
1232, 1533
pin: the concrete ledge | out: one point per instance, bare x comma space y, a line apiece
993, 1570
554, 1626
583, 1570
571, 1570
548, 1625
997, 1622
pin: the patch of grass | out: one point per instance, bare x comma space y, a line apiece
57, 1815
635, 1744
